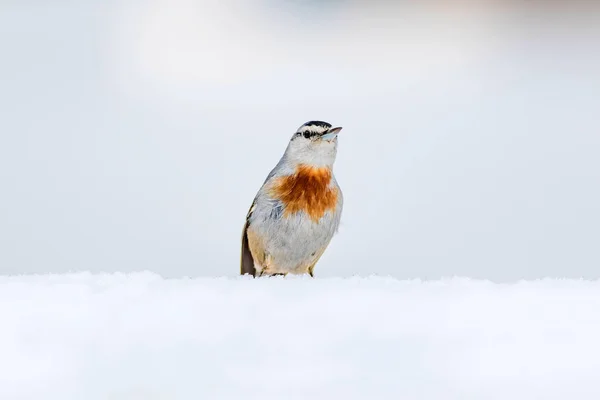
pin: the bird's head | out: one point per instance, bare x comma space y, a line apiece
314, 143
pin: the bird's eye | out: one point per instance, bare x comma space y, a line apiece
306, 134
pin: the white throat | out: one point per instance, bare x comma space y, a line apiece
317, 154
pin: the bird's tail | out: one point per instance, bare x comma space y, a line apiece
247, 262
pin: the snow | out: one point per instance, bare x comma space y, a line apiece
140, 336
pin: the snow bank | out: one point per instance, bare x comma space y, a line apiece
139, 336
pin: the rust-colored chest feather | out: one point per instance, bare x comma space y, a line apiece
307, 190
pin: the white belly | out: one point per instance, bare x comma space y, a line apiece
292, 244
296, 242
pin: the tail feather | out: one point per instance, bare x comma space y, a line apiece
247, 264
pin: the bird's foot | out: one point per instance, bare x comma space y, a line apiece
268, 274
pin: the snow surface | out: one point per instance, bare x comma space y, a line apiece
139, 336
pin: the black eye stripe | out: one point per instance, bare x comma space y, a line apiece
310, 132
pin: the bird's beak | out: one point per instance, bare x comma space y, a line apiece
331, 134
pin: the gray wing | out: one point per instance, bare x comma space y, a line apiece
247, 262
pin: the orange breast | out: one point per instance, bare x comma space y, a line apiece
307, 190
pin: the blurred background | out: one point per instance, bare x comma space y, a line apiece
135, 134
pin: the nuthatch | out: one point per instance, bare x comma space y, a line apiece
297, 210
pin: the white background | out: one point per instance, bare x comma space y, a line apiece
133, 136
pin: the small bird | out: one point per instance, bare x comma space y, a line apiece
297, 210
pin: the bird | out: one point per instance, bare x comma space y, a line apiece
297, 210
